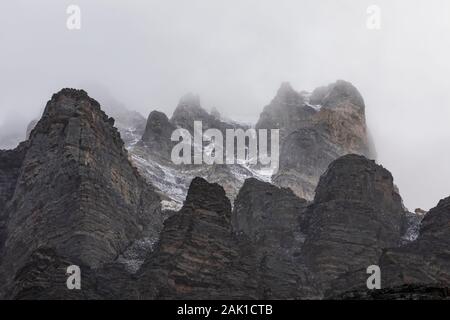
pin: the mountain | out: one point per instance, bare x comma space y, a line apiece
140, 227
419, 269
199, 256
71, 192
427, 259
274, 245
271, 219
356, 213
152, 154
315, 129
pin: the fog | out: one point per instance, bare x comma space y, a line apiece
235, 54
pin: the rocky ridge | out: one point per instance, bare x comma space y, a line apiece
72, 192
69, 195
316, 128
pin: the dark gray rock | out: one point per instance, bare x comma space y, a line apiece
356, 213
152, 155
198, 255
76, 192
158, 133
270, 218
425, 261
44, 277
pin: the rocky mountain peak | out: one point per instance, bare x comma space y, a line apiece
424, 261
315, 130
69, 108
286, 95
157, 133
198, 256
69, 100
355, 215
436, 223
74, 190
202, 194
337, 94
189, 110
261, 208
380, 192
156, 122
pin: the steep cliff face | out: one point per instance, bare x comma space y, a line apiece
69, 195
425, 261
271, 218
158, 133
10, 164
76, 192
320, 249
356, 213
198, 255
152, 155
287, 112
315, 129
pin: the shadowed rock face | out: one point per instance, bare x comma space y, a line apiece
69, 195
270, 218
314, 131
152, 155
198, 256
10, 165
189, 110
44, 277
356, 213
425, 261
158, 133
75, 191
206, 251
285, 112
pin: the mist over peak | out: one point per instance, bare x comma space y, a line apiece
146, 55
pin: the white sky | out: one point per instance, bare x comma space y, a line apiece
235, 54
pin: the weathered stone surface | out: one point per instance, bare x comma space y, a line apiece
158, 133
285, 112
355, 215
425, 261
314, 131
270, 218
10, 164
44, 277
76, 191
152, 155
69, 195
198, 255
189, 110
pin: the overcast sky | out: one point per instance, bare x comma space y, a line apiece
235, 54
